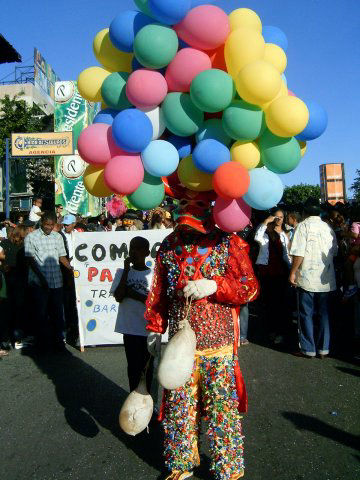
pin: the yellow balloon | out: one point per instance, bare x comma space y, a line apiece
89, 83
303, 147
276, 56
245, 153
282, 93
258, 83
244, 17
103, 105
94, 181
109, 56
243, 46
287, 116
192, 178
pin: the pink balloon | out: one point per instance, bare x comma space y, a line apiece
292, 94
96, 145
146, 88
186, 64
231, 215
205, 27
123, 174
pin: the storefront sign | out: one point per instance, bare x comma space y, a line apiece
41, 144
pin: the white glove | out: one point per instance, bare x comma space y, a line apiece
154, 343
200, 288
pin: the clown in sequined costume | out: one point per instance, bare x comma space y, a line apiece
215, 268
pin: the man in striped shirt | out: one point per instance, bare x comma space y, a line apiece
45, 250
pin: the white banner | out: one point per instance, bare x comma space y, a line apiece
97, 256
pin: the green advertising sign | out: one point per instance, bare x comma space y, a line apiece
73, 113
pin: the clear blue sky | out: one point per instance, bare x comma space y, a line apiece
323, 58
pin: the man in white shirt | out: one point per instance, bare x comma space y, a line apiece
35, 212
69, 222
3, 231
70, 309
313, 249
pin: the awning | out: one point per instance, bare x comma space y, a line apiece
8, 54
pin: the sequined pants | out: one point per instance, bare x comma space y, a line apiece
211, 391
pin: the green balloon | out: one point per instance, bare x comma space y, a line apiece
149, 195
181, 116
279, 154
143, 5
113, 91
244, 121
212, 128
212, 90
155, 45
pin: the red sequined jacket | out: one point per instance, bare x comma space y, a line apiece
186, 255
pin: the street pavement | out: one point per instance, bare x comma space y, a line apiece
59, 418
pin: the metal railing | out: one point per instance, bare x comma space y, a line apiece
19, 76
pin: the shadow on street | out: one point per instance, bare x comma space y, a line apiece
350, 371
312, 424
89, 399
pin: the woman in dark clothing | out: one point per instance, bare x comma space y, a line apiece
15, 272
273, 265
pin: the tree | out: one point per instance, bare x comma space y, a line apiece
355, 187
16, 116
298, 194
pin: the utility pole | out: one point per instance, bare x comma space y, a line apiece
7, 180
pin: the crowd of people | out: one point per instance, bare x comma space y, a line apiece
307, 261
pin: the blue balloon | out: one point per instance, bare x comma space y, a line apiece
213, 128
132, 130
135, 64
160, 158
106, 116
209, 154
317, 122
183, 44
275, 35
124, 28
182, 144
169, 12
284, 78
265, 190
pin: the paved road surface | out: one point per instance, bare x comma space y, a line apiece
59, 418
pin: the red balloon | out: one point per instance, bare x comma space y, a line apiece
231, 180
96, 144
184, 67
208, 115
124, 173
231, 215
205, 27
217, 58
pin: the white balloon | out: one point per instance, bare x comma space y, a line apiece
177, 362
156, 118
136, 412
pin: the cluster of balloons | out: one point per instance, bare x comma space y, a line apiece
190, 91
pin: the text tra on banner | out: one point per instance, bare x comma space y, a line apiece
97, 256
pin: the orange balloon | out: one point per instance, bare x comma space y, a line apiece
231, 180
217, 58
